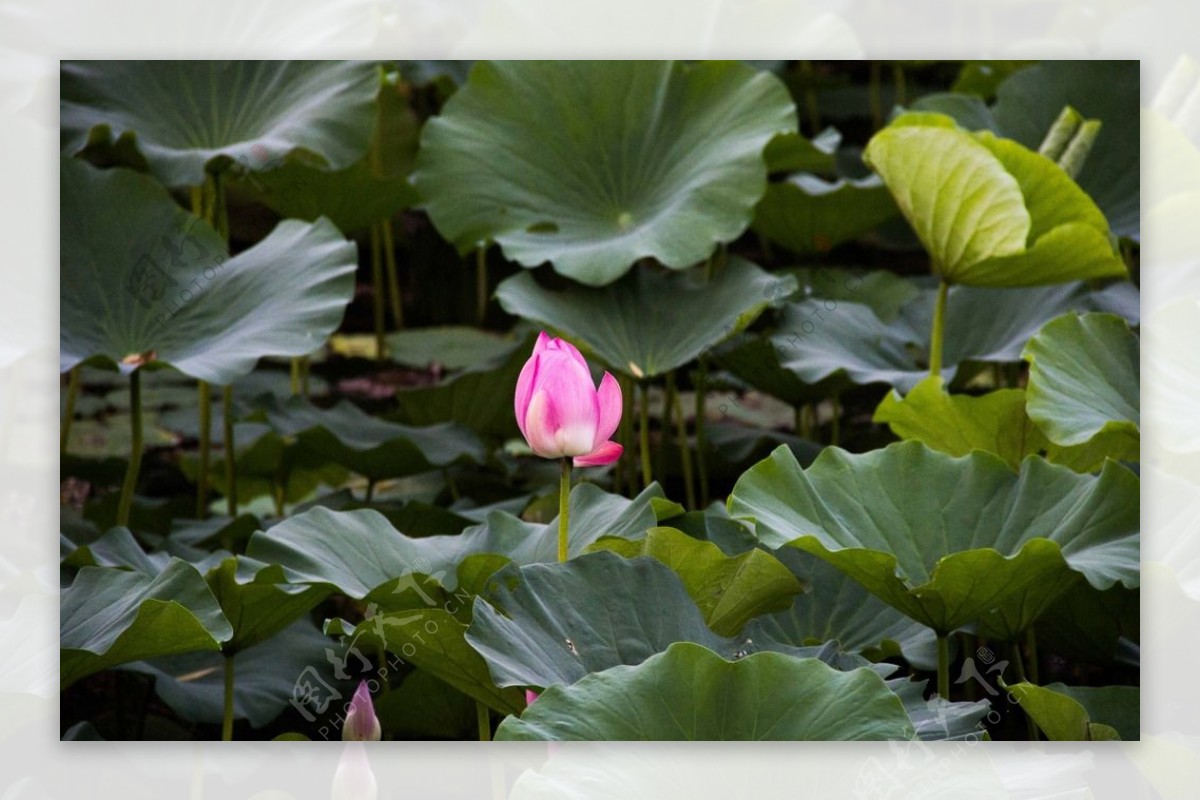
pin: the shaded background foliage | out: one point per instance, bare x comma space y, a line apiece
782, 309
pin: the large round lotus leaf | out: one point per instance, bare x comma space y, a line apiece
729, 590
822, 338
369, 446
258, 609
555, 623
836, 608
185, 115
950, 541
958, 424
989, 211
594, 165
649, 322
143, 281
424, 622
807, 214
1084, 382
359, 552
110, 616
265, 676
690, 693
373, 188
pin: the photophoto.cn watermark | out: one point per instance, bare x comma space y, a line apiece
317, 700
918, 769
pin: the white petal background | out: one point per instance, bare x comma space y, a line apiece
34, 34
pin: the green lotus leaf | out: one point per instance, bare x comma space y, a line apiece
1028, 102
794, 152
115, 548
1084, 383
451, 347
424, 707
729, 590
187, 118
361, 554
950, 541
266, 463
1117, 706
432, 637
145, 282
265, 676
716, 526
836, 608
110, 616
375, 448
937, 719
958, 424
807, 214
457, 399
1059, 716
983, 78
352, 198
593, 165
372, 189
649, 322
989, 211
258, 608
1087, 624
822, 338
690, 693
548, 624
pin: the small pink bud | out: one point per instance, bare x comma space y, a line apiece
530, 697
361, 723
561, 412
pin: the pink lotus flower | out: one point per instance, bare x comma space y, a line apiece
559, 409
361, 723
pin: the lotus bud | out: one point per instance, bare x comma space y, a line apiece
560, 411
361, 723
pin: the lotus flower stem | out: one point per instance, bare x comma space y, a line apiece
198, 197
393, 275
835, 420
205, 449
230, 456
625, 469
644, 436
135, 448
939, 330
701, 399
943, 666
901, 84
564, 508
810, 96
685, 451
481, 284
227, 713
377, 292
667, 424
1031, 644
64, 431
1018, 663
484, 719
876, 96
